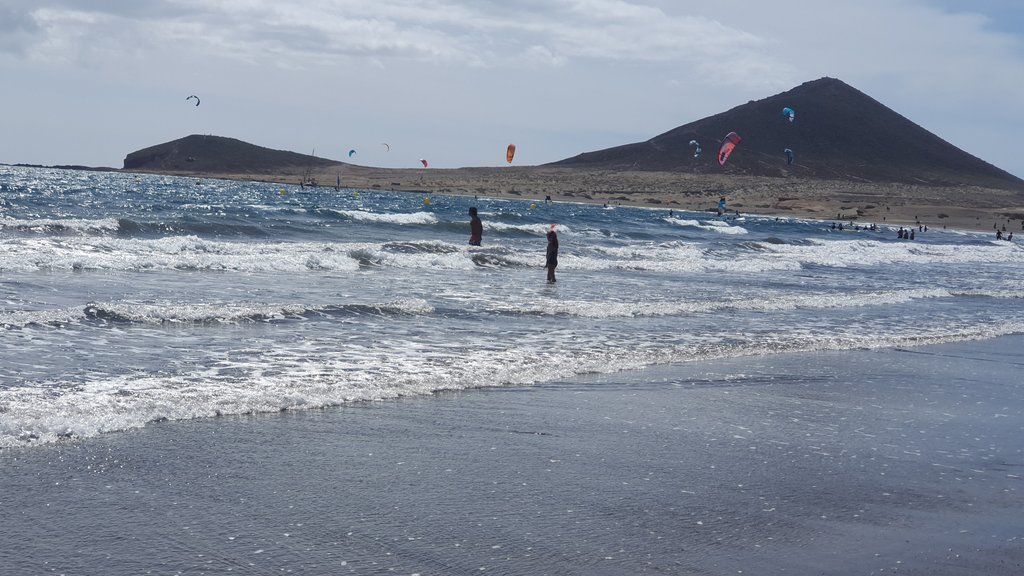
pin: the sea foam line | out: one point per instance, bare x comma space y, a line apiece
390, 217
604, 309
62, 225
171, 253
322, 376
201, 313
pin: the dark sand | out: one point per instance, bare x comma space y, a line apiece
904, 461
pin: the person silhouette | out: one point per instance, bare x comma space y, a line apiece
552, 254
476, 228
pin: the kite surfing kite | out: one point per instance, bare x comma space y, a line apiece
385, 145
510, 153
789, 156
696, 151
788, 112
424, 162
351, 153
191, 97
731, 140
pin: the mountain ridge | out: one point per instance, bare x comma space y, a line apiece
209, 154
838, 133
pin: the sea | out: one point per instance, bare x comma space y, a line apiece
129, 299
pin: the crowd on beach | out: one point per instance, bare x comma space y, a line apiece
908, 234
1000, 231
855, 227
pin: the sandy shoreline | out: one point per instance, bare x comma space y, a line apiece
980, 209
834, 463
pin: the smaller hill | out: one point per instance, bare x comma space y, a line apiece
217, 154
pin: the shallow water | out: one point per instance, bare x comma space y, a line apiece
128, 299
842, 463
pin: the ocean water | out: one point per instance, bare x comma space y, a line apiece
130, 299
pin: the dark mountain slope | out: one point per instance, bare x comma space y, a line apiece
217, 154
839, 133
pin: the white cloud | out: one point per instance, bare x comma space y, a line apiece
438, 32
16, 29
561, 76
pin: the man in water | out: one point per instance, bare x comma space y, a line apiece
476, 227
552, 254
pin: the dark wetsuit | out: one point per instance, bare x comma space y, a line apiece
552, 255
476, 230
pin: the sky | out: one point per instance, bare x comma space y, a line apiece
88, 81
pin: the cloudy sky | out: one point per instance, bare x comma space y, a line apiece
455, 81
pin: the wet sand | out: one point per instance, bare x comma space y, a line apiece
981, 209
905, 461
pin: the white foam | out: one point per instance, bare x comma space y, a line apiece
535, 229
391, 217
456, 257
188, 313
53, 317
195, 253
719, 226
677, 257
75, 225
170, 253
320, 373
840, 253
767, 303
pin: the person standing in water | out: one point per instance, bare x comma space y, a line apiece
552, 254
476, 227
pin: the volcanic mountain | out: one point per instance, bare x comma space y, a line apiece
837, 133
217, 154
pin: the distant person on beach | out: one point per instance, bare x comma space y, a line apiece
476, 227
999, 235
552, 254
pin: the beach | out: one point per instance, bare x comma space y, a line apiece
902, 460
965, 208
206, 376
602, 288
